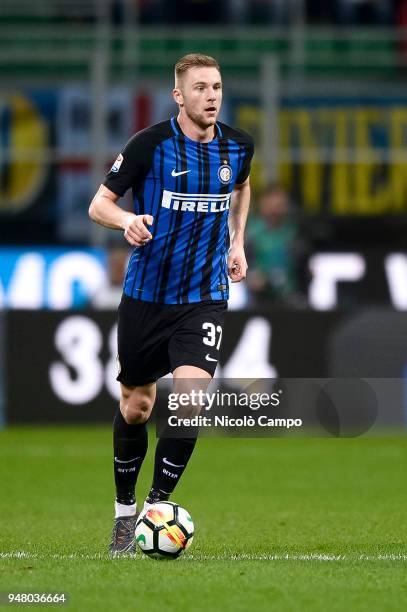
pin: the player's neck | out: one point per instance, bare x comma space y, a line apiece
194, 132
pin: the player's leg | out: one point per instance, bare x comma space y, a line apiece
194, 349
143, 359
173, 453
130, 443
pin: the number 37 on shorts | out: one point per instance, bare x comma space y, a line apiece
213, 335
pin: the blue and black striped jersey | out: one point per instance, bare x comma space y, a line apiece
186, 186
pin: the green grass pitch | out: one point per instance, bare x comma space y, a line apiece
287, 524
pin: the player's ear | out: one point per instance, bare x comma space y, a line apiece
178, 97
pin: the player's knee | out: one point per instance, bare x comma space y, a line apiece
136, 407
135, 414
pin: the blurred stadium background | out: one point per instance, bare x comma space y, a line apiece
283, 524
322, 89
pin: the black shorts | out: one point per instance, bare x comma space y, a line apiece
155, 339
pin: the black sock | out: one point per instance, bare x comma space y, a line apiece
171, 458
130, 447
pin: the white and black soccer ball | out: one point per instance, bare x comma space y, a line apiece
164, 530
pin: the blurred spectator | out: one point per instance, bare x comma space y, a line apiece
274, 250
213, 11
195, 11
153, 11
259, 12
402, 23
352, 12
109, 295
262, 12
361, 12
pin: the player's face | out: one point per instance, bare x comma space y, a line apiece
200, 95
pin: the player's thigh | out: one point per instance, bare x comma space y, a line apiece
142, 343
193, 382
187, 372
136, 403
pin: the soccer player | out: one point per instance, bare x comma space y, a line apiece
189, 177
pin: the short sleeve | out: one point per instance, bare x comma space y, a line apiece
248, 156
129, 167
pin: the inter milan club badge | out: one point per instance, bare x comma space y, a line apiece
225, 174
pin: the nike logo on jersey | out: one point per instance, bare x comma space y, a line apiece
205, 202
165, 460
209, 358
174, 173
127, 460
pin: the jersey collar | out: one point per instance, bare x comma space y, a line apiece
178, 132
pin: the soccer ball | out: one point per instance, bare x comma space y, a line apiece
164, 530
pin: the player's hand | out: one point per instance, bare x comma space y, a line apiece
136, 229
237, 264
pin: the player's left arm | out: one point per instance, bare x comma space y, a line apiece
237, 264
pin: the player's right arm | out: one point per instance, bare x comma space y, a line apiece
127, 171
106, 212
